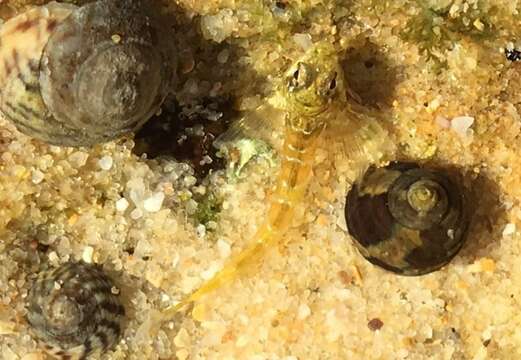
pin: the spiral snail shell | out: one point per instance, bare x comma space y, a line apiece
78, 76
73, 312
407, 219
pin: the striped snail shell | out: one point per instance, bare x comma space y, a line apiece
407, 219
78, 76
73, 312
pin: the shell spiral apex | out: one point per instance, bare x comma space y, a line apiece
73, 312
408, 219
97, 72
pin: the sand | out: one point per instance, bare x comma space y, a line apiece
444, 89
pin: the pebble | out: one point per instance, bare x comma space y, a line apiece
154, 203
509, 229
105, 163
116, 38
182, 354
223, 56
303, 311
53, 257
136, 214
7, 327
442, 122
88, 251
461, 125
190, 181
303, 40
78, 159
200, 230
37, 176
122, 205
33, 356
182, 339
375, 324
219, 26
224, 248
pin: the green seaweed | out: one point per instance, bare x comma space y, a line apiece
435, 31
208, 209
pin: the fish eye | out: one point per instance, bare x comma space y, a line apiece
332, 84
329, 86
301, 78
295, 75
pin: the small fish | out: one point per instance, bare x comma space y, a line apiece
312, 97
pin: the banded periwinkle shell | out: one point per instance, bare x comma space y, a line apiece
407, 218
78, 76
73, 311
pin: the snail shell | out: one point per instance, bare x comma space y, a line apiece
79, 76
407, 219
73, 312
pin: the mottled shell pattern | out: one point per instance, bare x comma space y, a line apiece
408, 219
73, 311
78, 76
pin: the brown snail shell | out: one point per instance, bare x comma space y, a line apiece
97, 72
73, 312
407, 219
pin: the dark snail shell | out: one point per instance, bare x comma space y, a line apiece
73, 312
104, 70
407, 219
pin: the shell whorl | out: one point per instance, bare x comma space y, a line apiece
22, 40
408, 219
73, 312
100, 71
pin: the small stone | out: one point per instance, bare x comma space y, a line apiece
478, 25
212, 225
442, 122
224, 248
461, 125
7, 327
182, 339
122, 205
37, 176
509, 229
487, 265
33, 356
88, 251
155, 276
200, 230
303, 311
223, 56
303, 40
211, 271
116, 39
219, 26
375, 324
154, 203
136, 214
105, 163
114, 290
199, 312
53, 257
191, 206
182, 354
190, 181
345, 278
78, 159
